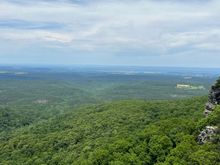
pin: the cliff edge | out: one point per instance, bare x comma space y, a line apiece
206, 135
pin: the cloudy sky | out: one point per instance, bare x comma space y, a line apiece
126, 32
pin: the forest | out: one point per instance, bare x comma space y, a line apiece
109, 82
44, 120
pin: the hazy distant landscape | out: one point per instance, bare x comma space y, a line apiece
71, 87
75, 85
44, 92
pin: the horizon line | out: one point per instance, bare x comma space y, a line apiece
98, 65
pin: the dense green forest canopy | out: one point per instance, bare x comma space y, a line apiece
123, 132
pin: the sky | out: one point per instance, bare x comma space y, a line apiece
184, 33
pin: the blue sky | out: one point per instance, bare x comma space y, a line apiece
182, 33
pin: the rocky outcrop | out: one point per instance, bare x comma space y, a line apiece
214, 95
214, 99
207, 134
209, 107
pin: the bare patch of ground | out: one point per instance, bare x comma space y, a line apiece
41, 101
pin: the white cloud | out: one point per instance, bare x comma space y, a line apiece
27, 36
200, 39
158, 27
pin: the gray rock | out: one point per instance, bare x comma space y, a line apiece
207, 134
207, 112
214, 99
214, 95
209, 107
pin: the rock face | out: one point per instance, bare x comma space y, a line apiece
213, 100
214, 95
209, 107
207, 134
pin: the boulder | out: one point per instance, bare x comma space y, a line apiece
210, 106
207, 112
214, 95
207, 134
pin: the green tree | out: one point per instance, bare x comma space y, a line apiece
217, 84
202, 157
159, 147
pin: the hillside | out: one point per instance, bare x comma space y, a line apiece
42, 93
123, 132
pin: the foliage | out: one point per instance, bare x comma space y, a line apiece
59, 117
217, 84
123, 132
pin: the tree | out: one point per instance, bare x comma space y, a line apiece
205, 157
159, 147
217, 84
